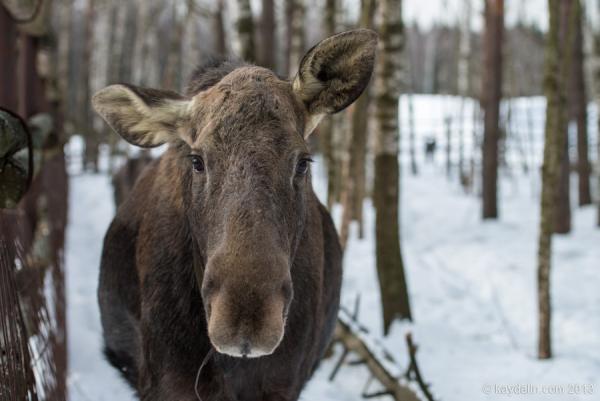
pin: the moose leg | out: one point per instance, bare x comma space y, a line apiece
118, 297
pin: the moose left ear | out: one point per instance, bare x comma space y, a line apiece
335, 72
142, 116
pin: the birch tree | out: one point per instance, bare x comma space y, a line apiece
390, 266
464, 87
326, 128
556, 75
353, 192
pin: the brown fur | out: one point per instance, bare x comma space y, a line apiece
239, 256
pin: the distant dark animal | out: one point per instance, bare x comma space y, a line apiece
430, 148
222, 244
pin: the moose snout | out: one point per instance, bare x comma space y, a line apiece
246, 313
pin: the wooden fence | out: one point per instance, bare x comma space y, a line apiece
33, 337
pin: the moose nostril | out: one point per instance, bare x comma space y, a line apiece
245, 348
209, 287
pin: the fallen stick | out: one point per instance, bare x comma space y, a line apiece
393, 387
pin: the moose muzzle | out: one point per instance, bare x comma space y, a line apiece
246, 303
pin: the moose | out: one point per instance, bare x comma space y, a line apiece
221, 272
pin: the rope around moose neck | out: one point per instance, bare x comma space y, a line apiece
228, 365
209, 354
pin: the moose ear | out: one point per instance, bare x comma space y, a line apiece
143, 117
336, 71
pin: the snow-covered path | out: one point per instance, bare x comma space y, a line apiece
473, 292
90, 211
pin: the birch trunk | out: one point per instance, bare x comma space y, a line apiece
354, 169
390, 266
326, 127
464, 87
360, 132
412, 139
146, 74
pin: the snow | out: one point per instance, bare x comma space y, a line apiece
472, 284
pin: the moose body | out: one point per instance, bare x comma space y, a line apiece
222, 255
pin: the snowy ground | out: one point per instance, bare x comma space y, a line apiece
472, 288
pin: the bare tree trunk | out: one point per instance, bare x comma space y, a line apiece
73, 78
63, 35
448, 123
221, 47
245, 30
297, 42
353, 176
326, 127
556, 75
562, 216
146, 45
111, 73
288, 11
595, 64
464, 87
190, 51
412, 135
386, 192
353, 192
112, 39
126, 66
173, 72
90, 156
268, 34
579, 102
491, 97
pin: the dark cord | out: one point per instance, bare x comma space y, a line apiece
202, 365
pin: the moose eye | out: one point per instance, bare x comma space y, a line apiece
302, 166
197, 164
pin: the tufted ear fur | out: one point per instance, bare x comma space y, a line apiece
335, 72
142, 116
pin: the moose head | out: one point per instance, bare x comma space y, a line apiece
242, 136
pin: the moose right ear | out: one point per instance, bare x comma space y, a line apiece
335, 72
142, 116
